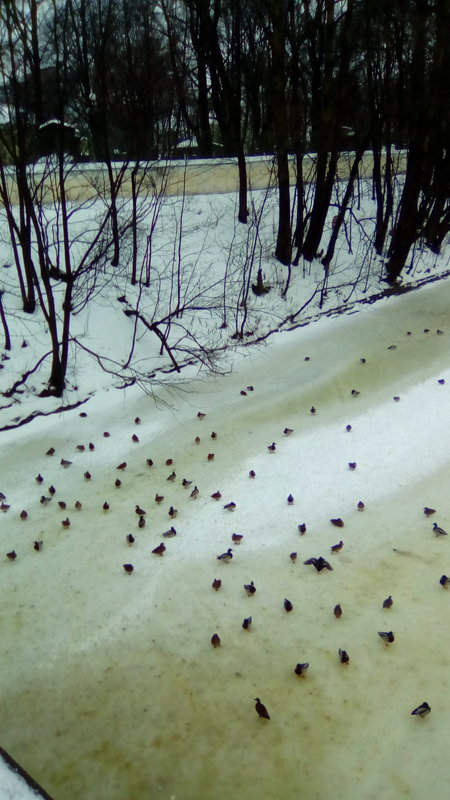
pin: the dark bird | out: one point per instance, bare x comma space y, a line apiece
422, 710
172, 512
288, 431
261, 710
439, 531
78, 505
355, 393
128, 568
122, 466
216, 584
272, 447
50, 452
51, 490
137, 420
230, 506
44, 501
213, 435
246, 623
117, 483
172, 476
12, 555
87, 475
4, 507
444, 581
337, 611
348, 428
301, 528
149, 462
216, 496
169, 462
160, 550
38, 545
293, 557
250, 588
252, 473
195, 493
65, 463
301, 669
139, 511
66, 522
39, 478
130, 539
210, 457
106, 434
287, 605
225, 557
170, 533
388, 603
338, 522
290, 500
197, 440
250, 388
237, 537
215, 640
362, 360
429, 511
336, 547
62, 504
201, 415
185, 483
243, 393
105, 506
360, 506
91, 446
318, 563
441, 381
387, 636
352, 465
24, 514
343, 656
312, 410
396, 398
141, 523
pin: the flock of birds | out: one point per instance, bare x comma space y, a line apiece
318, 562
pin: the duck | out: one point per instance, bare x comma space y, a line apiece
337, 522
293, 557
149, 462
396, 399
44, 501
39, 478
422, 710
344, 656
87, 475
38, 545
250, 588
441, 381
287, 605
319, 563
81, 448
139, 511
91, 446
246, 623
301, 669
444, 581
51, 451
439, 531
51, 490
195, 493
197, 440
301, 528
336, 547
160, 550
105, 506
65, 463
355, 393
106, 434
12, 555
78, 505
226, 557
130, 539
201, 415
66, 522
261, 710
290, 500
352, 465
348, 428
117, 483
24, 514
337, 611
360, 506
213, 435
429, 511
172, 476
137, 420
210, 457
170, 533
216, 496
388, 603
169, 462
4, 507
272, 447
237, 537
135, 438
128, 568
288, 431
185, 483
122, 465
141, 523
62, 504
312, 410
215, 640
230, 506
216, 584
172, 512
252, 473
387, 636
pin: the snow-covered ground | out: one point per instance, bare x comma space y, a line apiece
111, 688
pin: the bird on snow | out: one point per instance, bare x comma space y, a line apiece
38, 545
388, 603
261, 710
252, 473
301, 528
287, 605
216, 584
230, 506
225, 557
293, 557
65, 463
129, 538
360, 506
170, 533
12, 555
246, 623
159, 498
139, 511
337, 521
128, 568
45, 500
195, 492
159, 551
301, 669
387, 636
185, 483
319, 563
439, 531
422, 710
343, 656
216, 496
355, 393
336, 547
66, 522
429, 511
272, 447
141, 523
237, 537
290, 499
288, 431
172, 512
337, 611
444, 581
250, 588
215, 640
